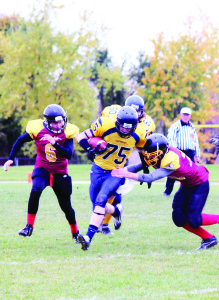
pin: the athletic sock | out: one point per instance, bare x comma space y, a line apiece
107, 219
92, 229
209, 219
116, 212
74, 228
31, 219
201, 232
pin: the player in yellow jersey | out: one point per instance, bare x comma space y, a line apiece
144, 120
121, 136
111, 112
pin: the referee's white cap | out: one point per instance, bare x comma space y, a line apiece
186, 110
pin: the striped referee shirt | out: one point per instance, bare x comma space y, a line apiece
184, 137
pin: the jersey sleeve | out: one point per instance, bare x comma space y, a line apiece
170, 161
142, 134
148, 123
34, 127
71, 131
101, 125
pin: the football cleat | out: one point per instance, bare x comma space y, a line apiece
26, 231
106, 230
75, 237
117, 221
84, 241
208, 243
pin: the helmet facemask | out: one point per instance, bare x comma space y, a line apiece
153, 158
48, 123
125, 130
126, 122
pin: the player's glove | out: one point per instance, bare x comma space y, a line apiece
93, 152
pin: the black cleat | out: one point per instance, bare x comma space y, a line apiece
208, 243
106, 230
167, 193
26, 231
84, 241
117, 221
75, 237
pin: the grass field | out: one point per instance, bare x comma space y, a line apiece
78, 172
148, 258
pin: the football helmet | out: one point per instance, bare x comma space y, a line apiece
155, 148
127, 121
137, 103
54, 113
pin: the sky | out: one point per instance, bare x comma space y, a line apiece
132, 24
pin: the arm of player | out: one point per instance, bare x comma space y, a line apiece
66, 150
15, 148
83, 138
155, 175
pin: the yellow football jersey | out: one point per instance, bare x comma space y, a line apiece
111, 111
148, 123
119, 149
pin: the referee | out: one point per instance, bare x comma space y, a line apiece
183, 136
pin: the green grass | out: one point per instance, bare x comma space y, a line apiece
148, 258
77, 172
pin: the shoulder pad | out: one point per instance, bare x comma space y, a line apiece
34, 127
71, 131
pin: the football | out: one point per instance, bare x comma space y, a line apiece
97, 141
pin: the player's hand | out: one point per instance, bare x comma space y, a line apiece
119, 172
97, 151
7, 164
49, 138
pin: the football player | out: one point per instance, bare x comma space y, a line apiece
190, 199
121, 135
111, 112
146, 121
54, 145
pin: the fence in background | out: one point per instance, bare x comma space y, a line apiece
78, 158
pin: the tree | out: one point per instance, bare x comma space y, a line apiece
43, 67
108, 80
10, 127
183, 72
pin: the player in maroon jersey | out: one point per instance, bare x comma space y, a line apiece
54, 146
190, 199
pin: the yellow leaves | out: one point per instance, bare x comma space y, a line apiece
164, 88
153, 88
144, 81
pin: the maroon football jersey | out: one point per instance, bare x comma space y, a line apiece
47, 156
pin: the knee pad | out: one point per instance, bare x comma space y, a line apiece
101, 200
194, 221
178, 218
63, 184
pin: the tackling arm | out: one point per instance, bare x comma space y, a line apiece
155, 175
